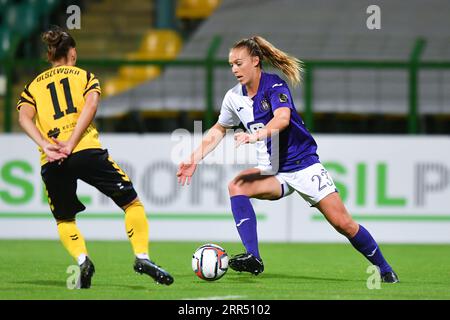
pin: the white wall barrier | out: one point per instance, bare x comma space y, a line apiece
396, 186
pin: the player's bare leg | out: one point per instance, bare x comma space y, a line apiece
337, 215
335, 212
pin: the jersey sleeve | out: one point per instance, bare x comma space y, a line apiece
280, 96
26, 98
92, 84
227, 116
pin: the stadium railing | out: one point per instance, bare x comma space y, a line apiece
210, 62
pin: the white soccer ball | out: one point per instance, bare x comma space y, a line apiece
210, 262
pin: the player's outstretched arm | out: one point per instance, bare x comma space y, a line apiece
187, 168
85, 119
26, 115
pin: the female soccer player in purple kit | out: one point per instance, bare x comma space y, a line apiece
286, 153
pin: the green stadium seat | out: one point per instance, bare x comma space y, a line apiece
21, 19
4, 4
41, 7
5, 42
51, 3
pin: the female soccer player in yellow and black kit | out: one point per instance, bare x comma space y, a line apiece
63, 101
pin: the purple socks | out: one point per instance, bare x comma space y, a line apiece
245, 219
364, 243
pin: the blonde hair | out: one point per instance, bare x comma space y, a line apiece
260, 47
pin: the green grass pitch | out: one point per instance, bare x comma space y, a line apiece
37, 270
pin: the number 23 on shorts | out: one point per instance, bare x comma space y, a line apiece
323, 179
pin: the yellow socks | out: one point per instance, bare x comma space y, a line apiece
136, 225
72, 239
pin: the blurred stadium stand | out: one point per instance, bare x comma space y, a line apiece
18, 21
112, 28
156, 45
319, 30
157, 98
112, 33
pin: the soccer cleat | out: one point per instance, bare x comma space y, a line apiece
389, 277
148, 267
246, 262
87, 270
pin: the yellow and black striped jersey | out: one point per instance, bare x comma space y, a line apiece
58, 95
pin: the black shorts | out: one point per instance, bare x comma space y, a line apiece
93, 166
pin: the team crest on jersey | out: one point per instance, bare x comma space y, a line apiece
53, 133
283, 97
265, 105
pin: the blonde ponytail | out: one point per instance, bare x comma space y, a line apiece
289, 65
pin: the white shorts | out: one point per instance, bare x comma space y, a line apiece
313, 183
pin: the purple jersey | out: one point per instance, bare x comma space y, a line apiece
296, 148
